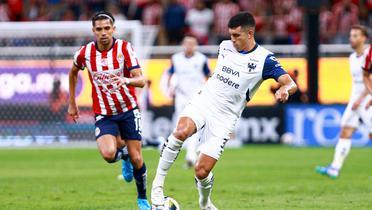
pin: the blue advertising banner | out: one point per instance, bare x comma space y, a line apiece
319, 125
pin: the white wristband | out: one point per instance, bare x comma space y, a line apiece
126, 81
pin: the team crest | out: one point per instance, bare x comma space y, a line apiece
251, 66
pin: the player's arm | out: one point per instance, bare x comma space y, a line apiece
170, 74
73, 110
273, 69
367, 79
206, 70
137, 79
287, 88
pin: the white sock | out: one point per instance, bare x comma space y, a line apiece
168, 155
341, 151
204, 188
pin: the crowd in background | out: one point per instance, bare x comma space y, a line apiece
278, 21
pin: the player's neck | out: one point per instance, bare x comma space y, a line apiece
101, 47
250, 46
359, 50
189, 55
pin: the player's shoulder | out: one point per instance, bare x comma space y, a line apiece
178, 55
200, 55
83, 48
264, 51
227, 45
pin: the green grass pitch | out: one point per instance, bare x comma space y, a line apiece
253, 177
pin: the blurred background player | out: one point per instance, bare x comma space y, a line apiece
241, 67
114, 72
356, 109
188, 72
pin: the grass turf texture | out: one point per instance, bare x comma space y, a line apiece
253, 177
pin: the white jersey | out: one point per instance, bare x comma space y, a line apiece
190, 73
356, 64
237, 77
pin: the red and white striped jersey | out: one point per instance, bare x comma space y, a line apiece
120, 59
367, 65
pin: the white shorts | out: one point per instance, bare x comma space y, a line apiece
352, 118
216, 129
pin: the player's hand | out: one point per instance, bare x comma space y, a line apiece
120, 81
73, 112
356, 105
282, 95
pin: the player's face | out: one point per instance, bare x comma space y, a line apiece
189, 44
356, 38
239, 37
103, 31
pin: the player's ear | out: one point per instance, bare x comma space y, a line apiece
114, 28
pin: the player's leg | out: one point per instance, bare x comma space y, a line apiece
343, 146
108, 148
204, 180
171, 148
106, 135
126, 165
130, 131
349, 122
211, 150
191, 149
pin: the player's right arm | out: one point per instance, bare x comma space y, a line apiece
78, 64
73, 110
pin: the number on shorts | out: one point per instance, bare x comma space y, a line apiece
137, 121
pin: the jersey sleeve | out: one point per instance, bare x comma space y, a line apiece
206, 70
171, 69
130, 57
79, 58
368, 60
272, 68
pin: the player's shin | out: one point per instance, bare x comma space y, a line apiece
204, 188
341, 151
169, 153
140, 175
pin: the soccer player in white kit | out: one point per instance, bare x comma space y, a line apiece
188, 72
241, 67
356, 109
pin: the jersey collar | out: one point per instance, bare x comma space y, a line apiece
246, 52
113, 43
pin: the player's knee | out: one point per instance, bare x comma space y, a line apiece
108, 154
201, 172
181, 132
136, 160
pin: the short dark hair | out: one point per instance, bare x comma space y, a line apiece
243, 19
362, 29
103, 15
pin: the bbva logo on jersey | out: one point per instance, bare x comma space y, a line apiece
251, 66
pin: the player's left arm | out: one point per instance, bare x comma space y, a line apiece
287, 88
273, 69
137, 79
367, 79
206, 69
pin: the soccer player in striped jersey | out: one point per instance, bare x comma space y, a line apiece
357, 109
114, 72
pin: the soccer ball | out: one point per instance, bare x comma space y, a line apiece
169, 204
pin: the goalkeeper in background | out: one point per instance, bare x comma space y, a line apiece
114, 72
